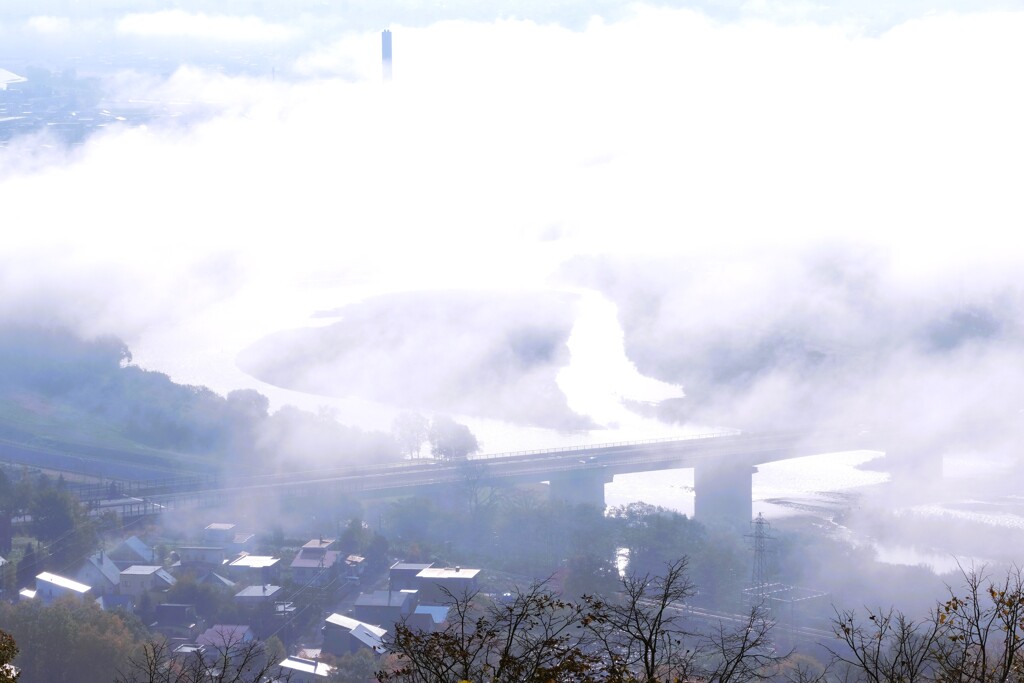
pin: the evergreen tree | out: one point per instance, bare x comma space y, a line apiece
28, 567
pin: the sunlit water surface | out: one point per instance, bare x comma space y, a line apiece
597, 379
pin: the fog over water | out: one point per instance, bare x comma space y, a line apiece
780, 215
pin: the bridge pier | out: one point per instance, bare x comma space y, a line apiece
723, 493
580, 487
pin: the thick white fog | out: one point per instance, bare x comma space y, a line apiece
800, 215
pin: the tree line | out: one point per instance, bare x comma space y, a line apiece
48, 371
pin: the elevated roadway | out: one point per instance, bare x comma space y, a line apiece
723, 464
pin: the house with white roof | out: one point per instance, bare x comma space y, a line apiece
444, 583
306, 670
50, 587
255, 568
344, 635
139, 579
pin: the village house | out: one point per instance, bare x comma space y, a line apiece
316, 563
439, 585
345, 635
199, 557
255, 596
219, 534
177, 622
50, 587
306, 670
131, 551
385, 608
255, 568
142, 578
403, 575
99, 572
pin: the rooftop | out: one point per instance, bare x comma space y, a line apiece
132, 545
226, 635
410, 566
384, 598
63, 582
254, 561
448, 573
264, 591
438, 613
309, 666
350, 624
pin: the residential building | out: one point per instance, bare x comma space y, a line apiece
254, 596
316, 563
99, 572
218, 533
345, 635
145, 578
132, 550
427, 618
306, 670
255, 569
439, 585
403, 575
177, 621
215, 579
385, 608
50, 587
198, 557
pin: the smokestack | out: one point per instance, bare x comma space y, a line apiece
385, 53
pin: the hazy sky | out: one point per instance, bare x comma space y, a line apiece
771, 182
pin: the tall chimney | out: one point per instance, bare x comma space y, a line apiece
385, 53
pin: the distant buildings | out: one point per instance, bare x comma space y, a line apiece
385, 50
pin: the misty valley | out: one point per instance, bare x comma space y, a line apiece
673, 341
113, 472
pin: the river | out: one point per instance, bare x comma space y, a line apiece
596, 380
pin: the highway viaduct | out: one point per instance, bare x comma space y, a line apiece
723, 465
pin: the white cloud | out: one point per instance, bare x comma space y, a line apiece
502, 150
48, 25
202, 26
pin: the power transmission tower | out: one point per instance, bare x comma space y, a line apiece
761, 534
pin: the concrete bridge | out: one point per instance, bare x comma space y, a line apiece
723, 465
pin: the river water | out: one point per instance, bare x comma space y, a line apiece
596, 380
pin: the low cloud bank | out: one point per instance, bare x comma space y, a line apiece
475, 353
829, 337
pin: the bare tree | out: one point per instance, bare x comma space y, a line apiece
975, 636
643, 635
232, 661
641, 632
742, 653
886, 648
983, 630
531, 637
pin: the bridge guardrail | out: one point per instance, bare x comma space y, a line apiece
611, 444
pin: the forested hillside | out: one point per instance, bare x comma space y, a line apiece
60, 394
